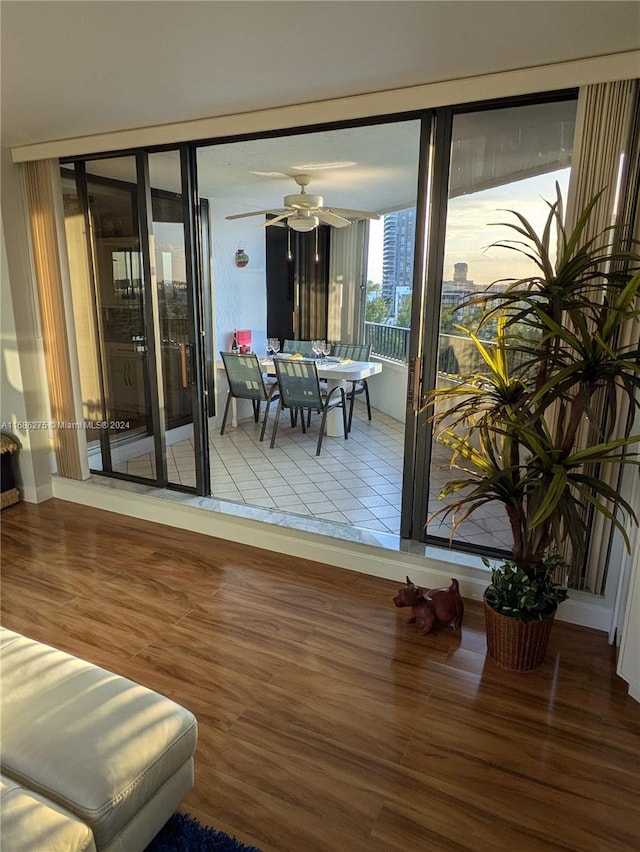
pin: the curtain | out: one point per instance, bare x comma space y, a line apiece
46, 235
347, 283
606, 156
604, 125
311, 264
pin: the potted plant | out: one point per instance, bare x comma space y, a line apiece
516, 426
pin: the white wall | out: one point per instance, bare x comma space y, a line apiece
388, 390
626, 622
239, 295
629, 656
24, 400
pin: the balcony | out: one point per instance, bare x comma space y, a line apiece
356, 483
456, 353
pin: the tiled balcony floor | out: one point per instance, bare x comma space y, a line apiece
356, 482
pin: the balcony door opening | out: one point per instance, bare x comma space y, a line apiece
303, 285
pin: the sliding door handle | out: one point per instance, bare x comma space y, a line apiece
415, 383
184, 370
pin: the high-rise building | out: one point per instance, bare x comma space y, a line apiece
455, 290
397, 252
460, 271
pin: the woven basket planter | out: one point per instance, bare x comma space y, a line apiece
10, 493
516, 645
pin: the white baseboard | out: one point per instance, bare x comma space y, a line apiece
634, 692
37, 495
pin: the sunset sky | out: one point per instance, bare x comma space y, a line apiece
470, 232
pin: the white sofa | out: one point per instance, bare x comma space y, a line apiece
89, 759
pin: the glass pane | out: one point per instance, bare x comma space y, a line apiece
84, 316
390, 284
503, 159
120, 300
173, 304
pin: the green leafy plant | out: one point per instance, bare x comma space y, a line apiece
517, 595
514, 427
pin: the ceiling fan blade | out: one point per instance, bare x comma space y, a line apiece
330, 218
358, 214
256, 213
276, 220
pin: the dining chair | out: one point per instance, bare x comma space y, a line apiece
300, 391
356, 352
301, 347
245, 379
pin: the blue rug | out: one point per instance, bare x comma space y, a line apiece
183, 833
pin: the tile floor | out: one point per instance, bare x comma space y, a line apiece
356, 482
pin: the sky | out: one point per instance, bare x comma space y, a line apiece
470, 232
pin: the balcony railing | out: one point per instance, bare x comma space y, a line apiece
388, 341
456, 354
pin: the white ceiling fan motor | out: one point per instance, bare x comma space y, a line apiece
303, 200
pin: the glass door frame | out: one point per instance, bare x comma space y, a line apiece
196, 303
152, 317
433, 180
431, 224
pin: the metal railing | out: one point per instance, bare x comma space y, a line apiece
388, 341
459, 355
456, 354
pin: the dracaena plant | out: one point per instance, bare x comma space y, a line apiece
514, 426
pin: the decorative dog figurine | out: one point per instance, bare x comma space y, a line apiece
435, 606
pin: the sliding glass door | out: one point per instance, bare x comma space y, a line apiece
420, 193
483, 163
136, 301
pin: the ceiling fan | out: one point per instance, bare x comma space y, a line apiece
304, 212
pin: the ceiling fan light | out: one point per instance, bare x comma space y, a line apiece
303, 224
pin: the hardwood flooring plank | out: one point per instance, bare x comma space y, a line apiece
279, 825
326, 723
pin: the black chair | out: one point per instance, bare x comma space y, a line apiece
246, 381
357, 352
300, 347
300, 391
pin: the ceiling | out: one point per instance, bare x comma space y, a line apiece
372, 168
77, 68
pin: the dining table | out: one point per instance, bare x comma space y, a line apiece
337, 372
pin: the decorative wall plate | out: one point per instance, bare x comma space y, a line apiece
241, 258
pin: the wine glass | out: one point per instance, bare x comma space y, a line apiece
326, 350
321, 346
273, 346
316, 348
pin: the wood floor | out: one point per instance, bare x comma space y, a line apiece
327, 724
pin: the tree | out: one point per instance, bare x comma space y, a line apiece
377, 310
403, 320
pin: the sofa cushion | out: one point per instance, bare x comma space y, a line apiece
31, 822
94, 742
